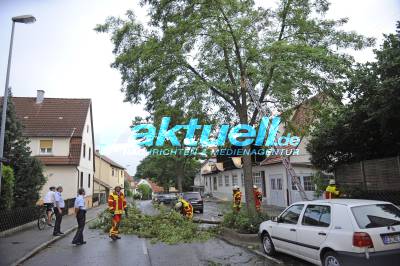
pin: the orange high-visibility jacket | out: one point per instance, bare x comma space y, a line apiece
237, 198
257, 197
187, 209
116, 202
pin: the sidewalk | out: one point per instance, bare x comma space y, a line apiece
15, 246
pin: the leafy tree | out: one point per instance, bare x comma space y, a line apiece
7, 188
28, 170
202, 53
145, 191
163, 170
367, 127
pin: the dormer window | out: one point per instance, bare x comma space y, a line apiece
46, 147
84, 150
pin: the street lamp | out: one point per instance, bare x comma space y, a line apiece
26, 19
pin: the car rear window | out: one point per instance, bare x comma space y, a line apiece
376, 215
191, 196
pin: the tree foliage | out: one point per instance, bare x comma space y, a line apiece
366, 127
201, 54
7, 188
145, 191
163, 170
28, 170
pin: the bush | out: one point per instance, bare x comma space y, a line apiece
243, 222
7, 188
168, 226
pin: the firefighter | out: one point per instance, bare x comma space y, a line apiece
331, 191
185, 208
257, 198
237, 198
116, 205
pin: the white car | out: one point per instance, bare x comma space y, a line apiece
336, 232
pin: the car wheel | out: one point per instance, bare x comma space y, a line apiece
267, 244
331, 258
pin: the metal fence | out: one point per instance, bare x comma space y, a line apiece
18, 216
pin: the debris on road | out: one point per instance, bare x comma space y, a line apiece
167, 226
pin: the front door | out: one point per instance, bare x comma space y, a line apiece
313, 229
284, 232
276, 187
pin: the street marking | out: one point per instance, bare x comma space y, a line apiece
144, 247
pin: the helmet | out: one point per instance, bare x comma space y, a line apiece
255, 187
332, 182
235, 188
178, 205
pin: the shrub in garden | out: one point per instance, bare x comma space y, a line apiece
243, 222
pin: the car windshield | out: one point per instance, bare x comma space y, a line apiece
192, 196
376, 215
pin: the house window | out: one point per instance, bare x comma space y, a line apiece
234, 180
215, 182
112, 171
227, 180
308, 184
257, 179
242, 178
90, 154
294, 187
81, 179
84, 150
220, 181
46, 146
88, 180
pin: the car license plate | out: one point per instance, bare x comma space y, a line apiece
391, 239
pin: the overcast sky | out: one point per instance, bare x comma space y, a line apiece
62, 55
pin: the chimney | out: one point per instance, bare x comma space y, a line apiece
39, 96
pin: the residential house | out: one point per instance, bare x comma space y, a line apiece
218, 175
108, 175
61, 136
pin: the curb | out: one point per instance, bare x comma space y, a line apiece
246, 247
46, 244
18, 229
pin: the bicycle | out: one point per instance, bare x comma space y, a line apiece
42, 219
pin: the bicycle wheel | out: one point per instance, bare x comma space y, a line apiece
41, 222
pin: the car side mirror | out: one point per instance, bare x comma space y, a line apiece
277, 219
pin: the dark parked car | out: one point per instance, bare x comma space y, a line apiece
164, 198
195, 199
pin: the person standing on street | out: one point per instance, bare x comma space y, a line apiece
58, 210
257, 198
49, 203
80, 212
116, 205
331, 191
237, 198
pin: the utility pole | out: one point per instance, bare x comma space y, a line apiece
26, 19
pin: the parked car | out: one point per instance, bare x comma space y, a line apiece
195, 199
336, 232
164, 198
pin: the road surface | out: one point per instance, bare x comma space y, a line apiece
131, 250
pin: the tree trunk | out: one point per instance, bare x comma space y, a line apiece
179, 175
247, 166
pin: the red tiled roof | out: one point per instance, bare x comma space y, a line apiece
54, 117
154, 187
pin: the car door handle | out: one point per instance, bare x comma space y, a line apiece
292, 229
322, 233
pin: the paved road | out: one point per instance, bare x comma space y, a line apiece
131, 250
15, 246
